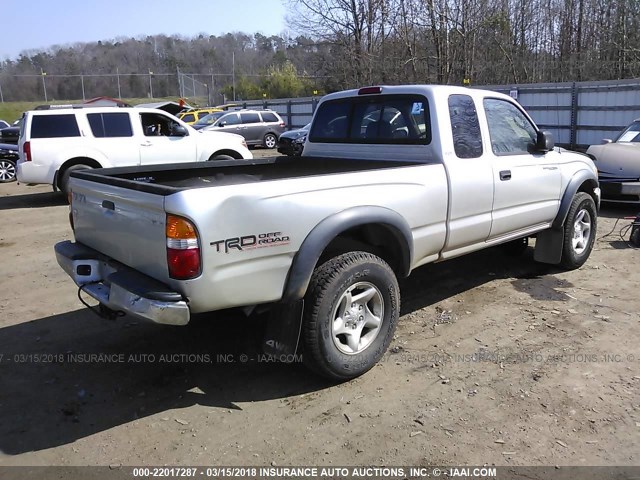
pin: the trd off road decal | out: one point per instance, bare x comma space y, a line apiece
251, 242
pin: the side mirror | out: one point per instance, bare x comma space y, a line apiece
606, 140
222, 124
544, 142
178, 131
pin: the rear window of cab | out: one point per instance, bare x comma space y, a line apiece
379, 119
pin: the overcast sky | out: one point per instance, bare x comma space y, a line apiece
44, 23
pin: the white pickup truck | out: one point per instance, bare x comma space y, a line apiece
425, 173
56, 141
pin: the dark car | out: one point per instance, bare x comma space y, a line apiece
10, 135
292, 142
8, 161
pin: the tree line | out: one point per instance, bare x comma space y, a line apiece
350, 43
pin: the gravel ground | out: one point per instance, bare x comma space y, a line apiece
497, 360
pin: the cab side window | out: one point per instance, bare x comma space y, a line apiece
510, 130
465, 127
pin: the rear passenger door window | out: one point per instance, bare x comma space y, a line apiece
465, 127
54, 126
510, 130
109, 125
250, 118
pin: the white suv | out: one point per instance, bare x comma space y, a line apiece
55, 142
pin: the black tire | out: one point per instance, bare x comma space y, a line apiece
330, 353
64, 179
297, 149
270, 140
221, 157
579, 231
7, 171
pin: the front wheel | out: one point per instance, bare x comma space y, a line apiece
7, 171
351, 312
579, 231
270, 140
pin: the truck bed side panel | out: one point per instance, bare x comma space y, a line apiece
250, 235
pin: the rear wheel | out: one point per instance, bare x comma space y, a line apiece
221, 157
270, 140
351, 311
63, 184
579, 231
7, 171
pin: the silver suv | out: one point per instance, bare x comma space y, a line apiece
258, 127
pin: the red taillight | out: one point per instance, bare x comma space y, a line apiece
183, 251
281, 124
369, 90
183, 264
26, 150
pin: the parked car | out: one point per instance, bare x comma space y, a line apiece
618, 163
192, 116
8, 161
207, 120
4, 124
53, 143
323, 240
10, 135
292, 142
258, 127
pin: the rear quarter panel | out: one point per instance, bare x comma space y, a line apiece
288, 210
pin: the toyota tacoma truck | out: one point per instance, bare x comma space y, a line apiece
399, 176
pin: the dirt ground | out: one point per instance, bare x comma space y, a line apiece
497, 360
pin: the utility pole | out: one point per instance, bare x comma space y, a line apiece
44, 84
233, 73
150, 85
82, 81
118, 75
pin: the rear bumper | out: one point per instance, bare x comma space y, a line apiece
121, 288
626, 192
30, 172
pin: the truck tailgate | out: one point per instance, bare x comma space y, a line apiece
124, 224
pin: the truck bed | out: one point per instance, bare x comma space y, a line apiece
169, 179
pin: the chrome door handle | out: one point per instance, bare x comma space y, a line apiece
505, 175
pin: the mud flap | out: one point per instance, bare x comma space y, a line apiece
549, 246
282, 334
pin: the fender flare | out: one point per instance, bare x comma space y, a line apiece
574, 185
305, 260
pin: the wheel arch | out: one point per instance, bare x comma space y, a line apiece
378, 230
226, 151
582, 181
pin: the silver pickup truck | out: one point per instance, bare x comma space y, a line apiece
398, 177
